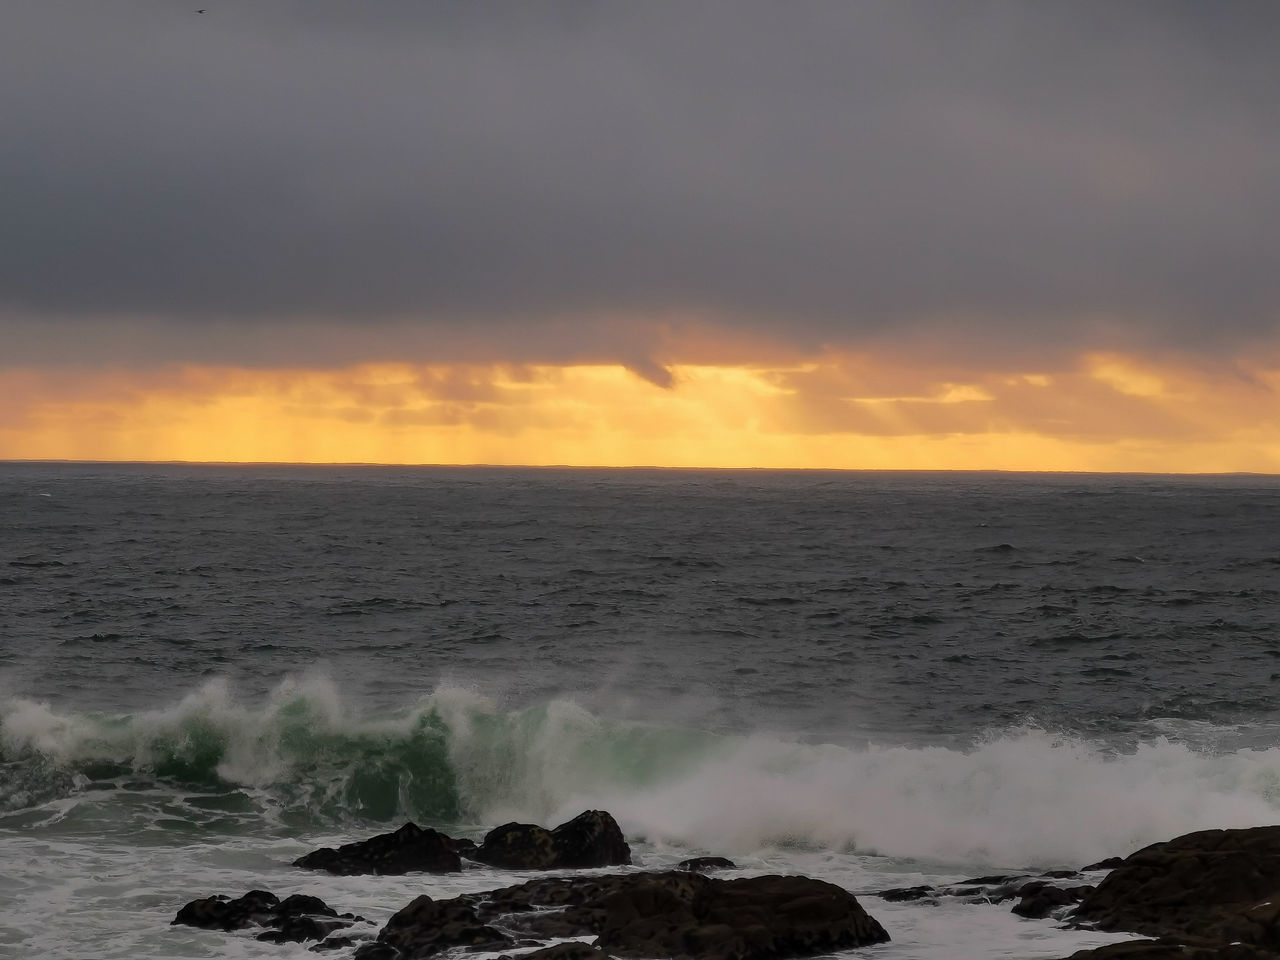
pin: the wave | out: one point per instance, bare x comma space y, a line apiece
1021, 797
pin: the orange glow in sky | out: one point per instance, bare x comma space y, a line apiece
1103, 413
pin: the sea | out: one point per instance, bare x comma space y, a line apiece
879, 679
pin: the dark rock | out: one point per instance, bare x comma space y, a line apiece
254, 909
1002, 880
301, 903
518, 846
591, 839
706, 864
1207, 889
1172, 950
426, 927
463, 847
376, 951
904, 894
295, 919
301, 929
750, 918
408, 849
337, 943
677, 913
561, 951
1046, 898
1108, 864
993, 889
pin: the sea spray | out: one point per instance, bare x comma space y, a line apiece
1019, 797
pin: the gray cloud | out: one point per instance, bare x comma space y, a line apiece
322, 181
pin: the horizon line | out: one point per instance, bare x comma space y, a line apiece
637, 466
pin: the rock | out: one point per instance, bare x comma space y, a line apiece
337, 943
301, 929
1208, 889
591, 839
1040, 899
905, 894
1171, 950
706, 864
255, 909
990, 889
295, 919
426, 927
562, 951
997, 880
749, 918
518, 846
408, 849
1110, 863
672, 914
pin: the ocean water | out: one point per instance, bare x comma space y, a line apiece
879, 679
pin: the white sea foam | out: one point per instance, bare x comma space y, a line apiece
1023, 797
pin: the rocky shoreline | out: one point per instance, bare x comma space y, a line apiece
1209, 895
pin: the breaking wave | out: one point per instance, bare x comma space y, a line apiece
1021, 797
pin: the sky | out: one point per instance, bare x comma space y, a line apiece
859, 234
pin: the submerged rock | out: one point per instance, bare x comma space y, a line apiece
1172, 950
562, 951
1037, 897
591, 839
1040, 899
909, 894
408, 849
295, 919
706, 864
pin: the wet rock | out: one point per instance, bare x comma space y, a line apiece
991, 889
1172, 950
518, 846
409, 849
750, 918
671, 914
996, 880
255, 909
591, 839
906, 894
1040, 899
706, 864
337, 943
562, 951
295, 919
301, 929
1110, 863
1212, 888
426, 927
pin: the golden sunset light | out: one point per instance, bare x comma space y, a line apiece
1107, 412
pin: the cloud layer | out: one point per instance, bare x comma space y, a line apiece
323, 182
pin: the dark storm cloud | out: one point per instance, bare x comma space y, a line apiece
322, 181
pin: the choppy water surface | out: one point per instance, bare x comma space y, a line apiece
874, 678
